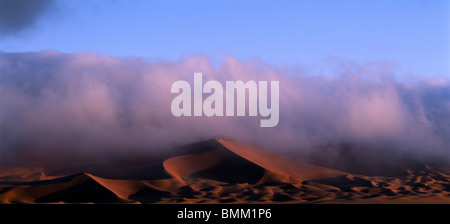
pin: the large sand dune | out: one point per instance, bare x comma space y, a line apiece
220, 171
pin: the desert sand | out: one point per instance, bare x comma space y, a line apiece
219, 171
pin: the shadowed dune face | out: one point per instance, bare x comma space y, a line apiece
220, 165
226, 171
278, 164
81, 188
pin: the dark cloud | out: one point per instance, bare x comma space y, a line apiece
19, 15
90, 104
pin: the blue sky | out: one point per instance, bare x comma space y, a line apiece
413, 33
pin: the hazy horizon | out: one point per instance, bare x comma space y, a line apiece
87, 76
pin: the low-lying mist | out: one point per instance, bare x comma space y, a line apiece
95, 106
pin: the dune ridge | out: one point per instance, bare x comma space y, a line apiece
225, 171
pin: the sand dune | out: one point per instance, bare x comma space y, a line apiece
222, 171
278, 164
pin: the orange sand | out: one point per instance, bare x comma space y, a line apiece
223, 171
